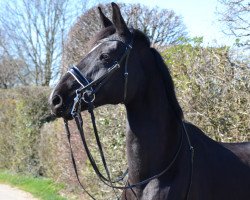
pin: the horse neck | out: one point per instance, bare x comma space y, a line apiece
152, 132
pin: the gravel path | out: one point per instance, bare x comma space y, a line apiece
10, 193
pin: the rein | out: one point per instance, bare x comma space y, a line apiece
87, 92
108, 181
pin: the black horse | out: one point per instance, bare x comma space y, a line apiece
125, 69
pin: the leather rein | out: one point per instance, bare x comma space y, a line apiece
86, 93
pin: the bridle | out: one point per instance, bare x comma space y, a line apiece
86, 92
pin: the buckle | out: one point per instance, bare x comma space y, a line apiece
77, 100
88, 97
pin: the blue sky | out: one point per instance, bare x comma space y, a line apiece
198, 15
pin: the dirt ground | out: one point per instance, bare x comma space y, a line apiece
10, 193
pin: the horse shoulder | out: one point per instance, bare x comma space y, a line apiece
221, 170
241, 150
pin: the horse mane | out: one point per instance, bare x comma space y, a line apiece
166, 77
110, 30
169, 85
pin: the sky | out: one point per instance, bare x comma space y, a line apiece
199, 17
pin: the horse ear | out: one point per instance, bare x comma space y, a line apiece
105, 21
118, 21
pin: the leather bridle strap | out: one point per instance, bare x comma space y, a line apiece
87, 86
98, 83
191, 149
105, 180
76, 73
126, 78
73, 159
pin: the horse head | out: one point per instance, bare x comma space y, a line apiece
112, 67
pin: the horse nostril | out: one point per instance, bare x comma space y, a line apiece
57, 101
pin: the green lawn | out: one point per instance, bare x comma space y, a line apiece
40, 188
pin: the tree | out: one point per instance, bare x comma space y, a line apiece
34, 27
235, 14
35, 31
11, 73
12, 70
162, 26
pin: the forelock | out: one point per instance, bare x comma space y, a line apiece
104, 33
109, 32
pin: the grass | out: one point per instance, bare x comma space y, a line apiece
41, 188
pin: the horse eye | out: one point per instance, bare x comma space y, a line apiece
104, 56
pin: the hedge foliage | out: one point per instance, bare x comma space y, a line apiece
213, 89
22, 113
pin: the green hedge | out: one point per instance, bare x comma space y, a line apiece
23, 112
213, 89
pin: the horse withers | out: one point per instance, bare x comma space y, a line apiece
183, 161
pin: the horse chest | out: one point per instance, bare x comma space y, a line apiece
152, 190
